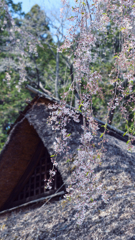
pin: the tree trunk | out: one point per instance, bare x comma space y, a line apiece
57, 73
76, 88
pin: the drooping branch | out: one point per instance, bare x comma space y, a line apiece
112, 111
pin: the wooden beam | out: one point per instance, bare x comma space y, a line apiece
34, 201
31, 89
114, 131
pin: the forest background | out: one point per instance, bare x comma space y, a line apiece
46, 69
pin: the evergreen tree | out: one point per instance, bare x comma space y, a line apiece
11, 101
23, 63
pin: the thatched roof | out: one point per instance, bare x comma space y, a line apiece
18, 151
55, 220
118, 167
29, 130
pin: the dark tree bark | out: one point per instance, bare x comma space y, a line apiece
57, 73
77, 97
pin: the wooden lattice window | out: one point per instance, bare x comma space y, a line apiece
34, 188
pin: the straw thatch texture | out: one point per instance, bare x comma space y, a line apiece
38, 117
31, 126
114, 220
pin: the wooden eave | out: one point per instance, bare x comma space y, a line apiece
35, 100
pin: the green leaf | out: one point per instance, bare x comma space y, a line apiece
79, 108
91, 200
128, 51
68, 161
71, 16
116, 56
84, 3
128, 141
63, 50
122, 28
124, 134
101, 135
80, 105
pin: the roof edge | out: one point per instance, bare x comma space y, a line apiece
34, 201
113, 130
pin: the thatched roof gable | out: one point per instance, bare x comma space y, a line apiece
117, 173
30, 128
